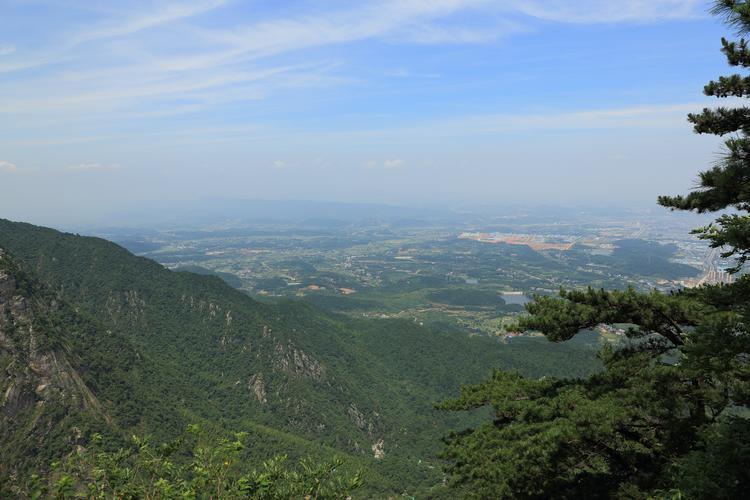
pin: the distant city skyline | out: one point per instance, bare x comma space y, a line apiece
105, 107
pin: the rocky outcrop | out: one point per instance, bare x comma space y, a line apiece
7, 283
125, 307
292, 360
378, 449
209, 309
257, 386
34, 368
42, 393
360, 420
357, 416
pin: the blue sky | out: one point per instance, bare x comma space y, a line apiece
108, 105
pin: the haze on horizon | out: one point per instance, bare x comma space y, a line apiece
105, 107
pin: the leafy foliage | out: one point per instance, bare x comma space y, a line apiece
195, 465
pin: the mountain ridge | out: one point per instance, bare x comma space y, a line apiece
203, 351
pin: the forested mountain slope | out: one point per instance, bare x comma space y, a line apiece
154, 350
62, 375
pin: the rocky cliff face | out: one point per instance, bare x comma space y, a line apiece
39, 387
35, 366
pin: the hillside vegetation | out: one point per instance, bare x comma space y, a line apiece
156, 350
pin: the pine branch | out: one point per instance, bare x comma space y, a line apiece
736, 13
735, 86
562, 318
721, 121
737, 53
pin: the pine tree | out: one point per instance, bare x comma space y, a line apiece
727, 185
668, 415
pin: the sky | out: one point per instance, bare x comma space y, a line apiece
106, 106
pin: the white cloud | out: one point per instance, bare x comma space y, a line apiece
6, 49
279, 164
395, 163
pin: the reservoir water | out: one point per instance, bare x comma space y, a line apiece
515, 298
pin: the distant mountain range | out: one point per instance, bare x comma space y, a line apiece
237, 212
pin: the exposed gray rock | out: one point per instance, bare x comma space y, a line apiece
378, 449
293, 360
258, 387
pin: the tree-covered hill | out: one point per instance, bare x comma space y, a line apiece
161, 349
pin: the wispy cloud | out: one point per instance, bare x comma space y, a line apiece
110, 28
153, 61
601, 11
221, 95
408, 20
190, 66
643, 117
191, 86
152, 19
434, 33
